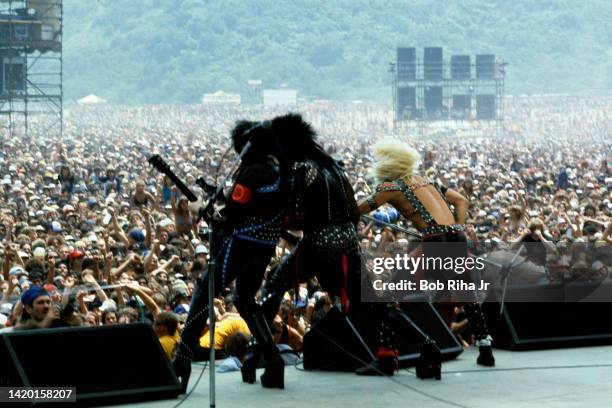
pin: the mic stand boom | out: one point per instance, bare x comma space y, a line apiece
393, 226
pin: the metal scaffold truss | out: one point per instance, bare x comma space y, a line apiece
435, 95
31, 67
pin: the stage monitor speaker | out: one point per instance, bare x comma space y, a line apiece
485, 66
432, 64
433, 102
334, 344
406, 102
108, 365
462, 105
425, 316
406, 64
485, 107
460, 67
537, 326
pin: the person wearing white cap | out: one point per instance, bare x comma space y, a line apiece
201, 252
39, 253
56, 227
17, 271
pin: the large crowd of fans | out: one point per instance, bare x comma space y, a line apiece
91, 234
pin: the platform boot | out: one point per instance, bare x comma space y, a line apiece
251, 362
483, 339
386, 362
430, 361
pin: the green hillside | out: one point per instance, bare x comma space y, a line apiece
160, 51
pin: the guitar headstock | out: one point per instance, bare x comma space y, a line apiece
159, 163
163, 167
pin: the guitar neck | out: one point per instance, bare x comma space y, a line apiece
159, 163
181, 186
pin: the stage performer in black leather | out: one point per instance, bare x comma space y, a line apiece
323, 206
252, 218
428, 206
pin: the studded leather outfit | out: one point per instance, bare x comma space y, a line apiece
322, 199
253, 215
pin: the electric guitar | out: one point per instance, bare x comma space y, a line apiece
163, 167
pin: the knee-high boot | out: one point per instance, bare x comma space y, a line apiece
273, 376
430, 357
386, 362
483, 339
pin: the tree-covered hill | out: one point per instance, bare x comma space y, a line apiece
153, 51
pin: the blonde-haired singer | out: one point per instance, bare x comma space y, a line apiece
429, 207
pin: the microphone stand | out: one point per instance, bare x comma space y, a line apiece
207, 213
505, 270
392, 226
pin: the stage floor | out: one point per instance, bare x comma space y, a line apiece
578, 377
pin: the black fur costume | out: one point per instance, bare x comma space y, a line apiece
252, 214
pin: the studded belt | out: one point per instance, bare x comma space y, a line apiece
441, 229
333, 239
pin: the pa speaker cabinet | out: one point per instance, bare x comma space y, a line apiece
563, 321
334, 344
108, 365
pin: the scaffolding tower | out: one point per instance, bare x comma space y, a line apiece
31, 67
442, 95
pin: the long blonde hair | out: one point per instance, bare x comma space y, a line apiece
394, 160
